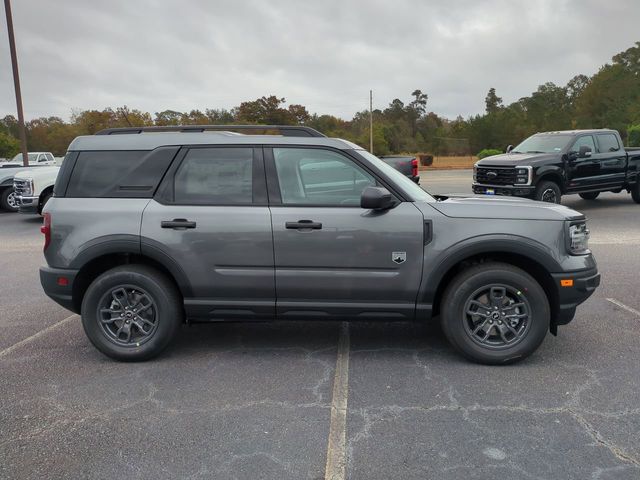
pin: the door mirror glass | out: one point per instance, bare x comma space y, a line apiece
376, 198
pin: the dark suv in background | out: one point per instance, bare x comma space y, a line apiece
152, 227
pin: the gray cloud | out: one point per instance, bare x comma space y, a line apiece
153, 55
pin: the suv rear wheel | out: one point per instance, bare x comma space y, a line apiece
548, 191
131, 312
495, 313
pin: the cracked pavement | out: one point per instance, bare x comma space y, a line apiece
253, 400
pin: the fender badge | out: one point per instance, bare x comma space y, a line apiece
399, 257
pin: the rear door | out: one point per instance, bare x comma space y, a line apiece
333, 258
612, 159
211, 221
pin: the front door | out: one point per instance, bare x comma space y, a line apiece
583, 172
333, 258
210, 220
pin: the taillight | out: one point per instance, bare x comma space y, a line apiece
46, 230
414, 167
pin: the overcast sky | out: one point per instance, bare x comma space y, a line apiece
324, 54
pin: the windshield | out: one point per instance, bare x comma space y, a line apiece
18, 157
417, 193
543, 144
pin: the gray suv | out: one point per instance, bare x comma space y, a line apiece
152, 227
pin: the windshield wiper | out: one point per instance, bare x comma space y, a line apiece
535, 151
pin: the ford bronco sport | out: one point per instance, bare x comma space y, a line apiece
152, 227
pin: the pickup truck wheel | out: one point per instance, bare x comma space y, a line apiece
589, 195
44, 202
495, 313
548, 192
635, 193
131, 313
8, 200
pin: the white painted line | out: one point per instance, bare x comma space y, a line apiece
335, 468
35, 336
622, 305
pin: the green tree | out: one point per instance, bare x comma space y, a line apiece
9, 145
492, 101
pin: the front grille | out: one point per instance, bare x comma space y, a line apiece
496, 175
22, 187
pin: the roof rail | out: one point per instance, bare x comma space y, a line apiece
284, 130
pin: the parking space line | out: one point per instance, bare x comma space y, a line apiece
335, 468
35, 336
622, 305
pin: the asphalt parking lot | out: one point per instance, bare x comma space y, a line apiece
252, 401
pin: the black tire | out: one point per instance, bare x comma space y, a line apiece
548, 191
635, 192
165, 312
7, 201
590, 195
460, 327
46, 198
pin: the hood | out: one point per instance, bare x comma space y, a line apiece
515, 159
503, 208
38, 173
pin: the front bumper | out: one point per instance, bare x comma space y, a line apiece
61, 291
27, 204
583, 284
507, 190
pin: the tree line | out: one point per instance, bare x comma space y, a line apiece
608, 99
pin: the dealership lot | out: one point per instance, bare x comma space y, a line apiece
242, 400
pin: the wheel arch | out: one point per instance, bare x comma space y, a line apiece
519, 252
551, 174
104, 259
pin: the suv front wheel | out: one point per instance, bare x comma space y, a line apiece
131, 312
548, 191
495, 313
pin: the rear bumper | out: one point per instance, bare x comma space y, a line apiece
585, 283
55, 287
507, 190
27, 204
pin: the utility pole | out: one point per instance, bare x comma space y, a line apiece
370, 121
16, 83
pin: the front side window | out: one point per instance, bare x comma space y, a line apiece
585, 141
215, 176
608, 143
319, 177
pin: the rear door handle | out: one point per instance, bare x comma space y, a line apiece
177, 223
304, 225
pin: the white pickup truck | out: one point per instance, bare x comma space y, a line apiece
33, 188
8, 170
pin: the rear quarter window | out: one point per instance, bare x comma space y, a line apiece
119, 174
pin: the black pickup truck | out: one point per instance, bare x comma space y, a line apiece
548, 165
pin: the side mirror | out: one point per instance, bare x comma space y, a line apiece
376, 198
509, 148
584, 152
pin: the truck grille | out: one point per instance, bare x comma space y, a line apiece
496, 175
22, 187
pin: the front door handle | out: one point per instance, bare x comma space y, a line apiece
177, 223
304, 225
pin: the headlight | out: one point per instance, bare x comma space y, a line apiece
523, 175
578, 238
475, 172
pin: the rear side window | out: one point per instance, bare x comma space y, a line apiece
215, 176
608, 143
119, 174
